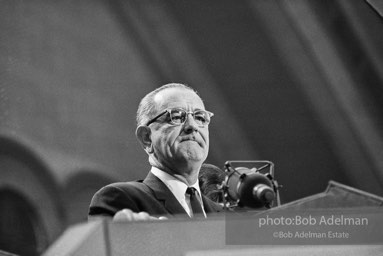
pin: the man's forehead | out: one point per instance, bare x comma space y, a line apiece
177, 95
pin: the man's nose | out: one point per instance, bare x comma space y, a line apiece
190, 124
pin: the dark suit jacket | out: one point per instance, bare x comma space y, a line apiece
150, 195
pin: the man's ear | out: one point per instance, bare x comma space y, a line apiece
143, 135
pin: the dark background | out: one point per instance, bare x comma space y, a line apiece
298, 83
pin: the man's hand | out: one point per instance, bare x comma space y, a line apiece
129, 215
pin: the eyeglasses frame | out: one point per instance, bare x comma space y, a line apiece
210, 114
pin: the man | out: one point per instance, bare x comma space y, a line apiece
172, 127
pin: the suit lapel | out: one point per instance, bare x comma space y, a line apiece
163, 194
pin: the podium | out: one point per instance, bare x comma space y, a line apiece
194, 237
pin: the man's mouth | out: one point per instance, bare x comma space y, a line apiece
189, 138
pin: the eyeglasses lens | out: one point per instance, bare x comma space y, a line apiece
178, 116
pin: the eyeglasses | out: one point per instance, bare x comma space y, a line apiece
178, 116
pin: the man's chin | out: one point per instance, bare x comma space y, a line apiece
192, 155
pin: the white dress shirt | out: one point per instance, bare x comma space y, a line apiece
178, 188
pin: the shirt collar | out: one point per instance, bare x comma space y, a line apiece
175, 185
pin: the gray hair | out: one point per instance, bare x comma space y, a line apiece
147, 107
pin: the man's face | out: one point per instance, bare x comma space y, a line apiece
177, 145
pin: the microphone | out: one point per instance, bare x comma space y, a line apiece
250, 187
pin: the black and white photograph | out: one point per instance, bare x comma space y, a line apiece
191, 128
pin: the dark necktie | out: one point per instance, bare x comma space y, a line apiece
194, 202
